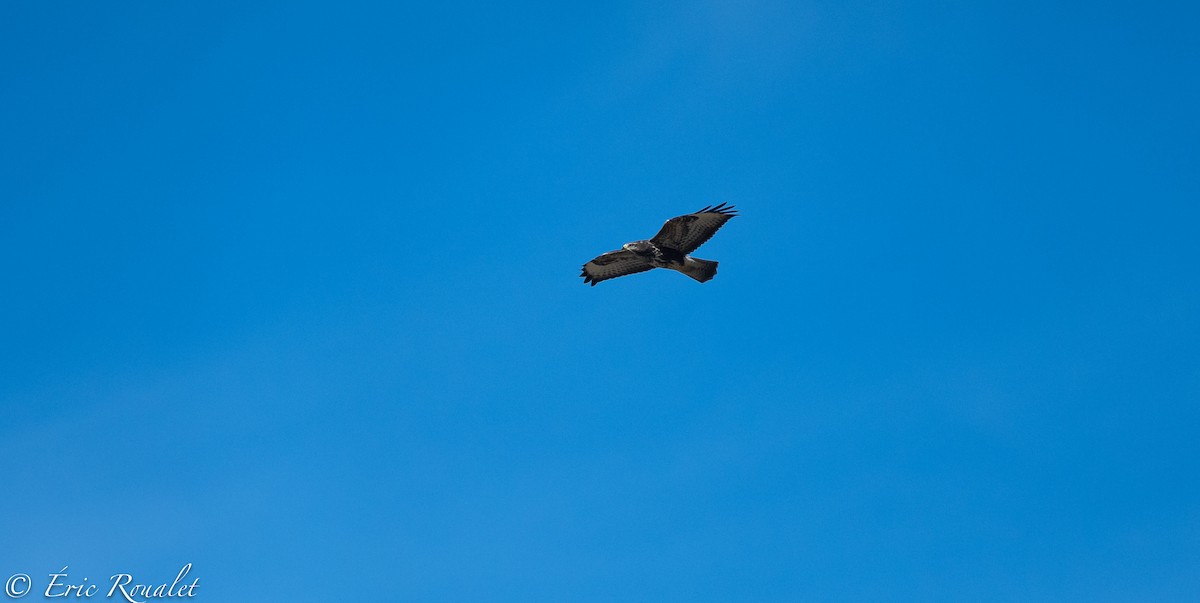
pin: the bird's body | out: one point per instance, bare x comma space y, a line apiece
668, 249
661, 257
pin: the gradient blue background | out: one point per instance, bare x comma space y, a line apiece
291, 293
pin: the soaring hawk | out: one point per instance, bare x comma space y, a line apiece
668, 249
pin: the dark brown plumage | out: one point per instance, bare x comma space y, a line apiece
668, 249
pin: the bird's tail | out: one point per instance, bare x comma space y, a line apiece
701, 270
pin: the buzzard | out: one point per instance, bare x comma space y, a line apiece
668, 249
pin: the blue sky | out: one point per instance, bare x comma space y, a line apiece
293, 296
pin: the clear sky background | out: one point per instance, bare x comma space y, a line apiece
292, 294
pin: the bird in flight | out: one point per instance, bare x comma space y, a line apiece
668, 249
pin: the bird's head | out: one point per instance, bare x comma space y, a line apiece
637, 246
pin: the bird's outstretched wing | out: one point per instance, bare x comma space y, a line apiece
613, 264
687, 233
